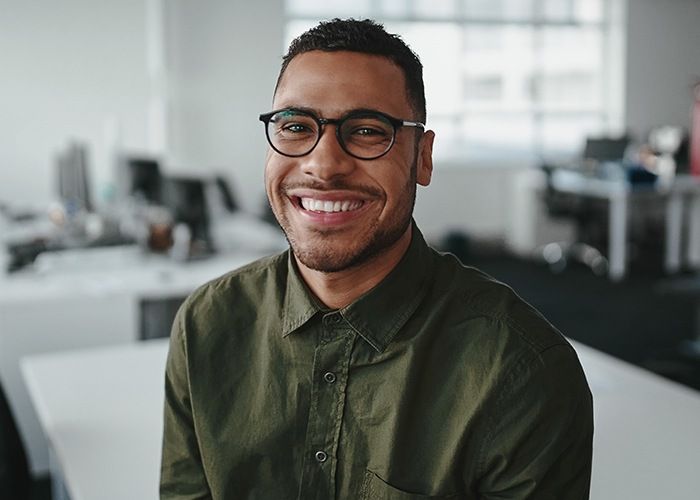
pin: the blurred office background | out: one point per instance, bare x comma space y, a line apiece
129, 145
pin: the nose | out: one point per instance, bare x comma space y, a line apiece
328, 159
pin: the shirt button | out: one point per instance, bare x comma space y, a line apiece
329, 377
332, 319
321, 456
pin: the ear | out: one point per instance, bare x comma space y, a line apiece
425, 158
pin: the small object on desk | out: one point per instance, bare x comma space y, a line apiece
182, 239
637, 175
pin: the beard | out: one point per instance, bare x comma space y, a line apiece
322, 253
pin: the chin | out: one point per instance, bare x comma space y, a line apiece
325, 260
329, 258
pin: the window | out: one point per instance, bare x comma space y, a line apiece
506, 80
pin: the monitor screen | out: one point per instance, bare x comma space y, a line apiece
144, 179
73, 182
186, 199
605, 148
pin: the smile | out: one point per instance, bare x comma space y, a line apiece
328, 206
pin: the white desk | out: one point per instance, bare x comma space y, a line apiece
618, 193
90, 298
102, 411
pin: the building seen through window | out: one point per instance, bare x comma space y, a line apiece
506, 80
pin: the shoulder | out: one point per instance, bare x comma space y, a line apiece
234, 297
506, 344
249, 278
499, 321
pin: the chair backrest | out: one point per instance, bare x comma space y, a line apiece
558, 205
228, 199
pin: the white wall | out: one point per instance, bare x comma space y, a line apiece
70, 69
663, 62
223, 59
463, 200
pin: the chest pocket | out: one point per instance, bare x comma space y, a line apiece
374, 488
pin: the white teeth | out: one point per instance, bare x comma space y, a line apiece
329, 206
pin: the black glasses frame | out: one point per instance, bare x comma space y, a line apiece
396, 124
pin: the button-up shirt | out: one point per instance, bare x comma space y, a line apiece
438, 383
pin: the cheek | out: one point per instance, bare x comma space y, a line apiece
273, 172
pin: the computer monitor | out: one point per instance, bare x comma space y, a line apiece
143, 179
73, 180
186, 199
605, 148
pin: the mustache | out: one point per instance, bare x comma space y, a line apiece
331, 185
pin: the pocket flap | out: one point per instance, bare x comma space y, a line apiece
375, 488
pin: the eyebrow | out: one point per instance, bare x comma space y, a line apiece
316, 112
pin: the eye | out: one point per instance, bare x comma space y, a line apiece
295, 128
368, 131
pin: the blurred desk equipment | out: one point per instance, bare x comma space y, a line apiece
100, 296
646, 445
604, 175
583, 210
73, 178
186, 199
604, 149
681, 196
140, 177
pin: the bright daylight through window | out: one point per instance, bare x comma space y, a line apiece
507, 81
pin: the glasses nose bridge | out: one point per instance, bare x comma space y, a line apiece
322, 122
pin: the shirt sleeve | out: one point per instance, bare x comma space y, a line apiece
539, 442
182, 473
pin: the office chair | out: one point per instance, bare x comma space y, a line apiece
226, 193
15, 481
588, 214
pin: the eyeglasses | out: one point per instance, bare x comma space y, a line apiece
364, 134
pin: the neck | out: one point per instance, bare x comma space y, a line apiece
339, 289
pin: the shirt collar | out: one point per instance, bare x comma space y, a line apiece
379, 314
299, 305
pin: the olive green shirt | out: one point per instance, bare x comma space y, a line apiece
438, 383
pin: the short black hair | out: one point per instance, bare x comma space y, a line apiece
368, 37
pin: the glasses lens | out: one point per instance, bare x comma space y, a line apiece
292, 132
367, 136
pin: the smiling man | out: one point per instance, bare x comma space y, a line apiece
361, 363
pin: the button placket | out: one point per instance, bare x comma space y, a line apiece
331, 363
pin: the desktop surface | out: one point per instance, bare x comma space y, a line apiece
105, 424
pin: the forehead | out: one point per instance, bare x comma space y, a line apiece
336, 82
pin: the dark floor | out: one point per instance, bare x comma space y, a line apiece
41, 489
644, 319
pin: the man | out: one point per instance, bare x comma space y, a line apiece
362, 364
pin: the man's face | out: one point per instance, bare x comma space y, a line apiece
336, 210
